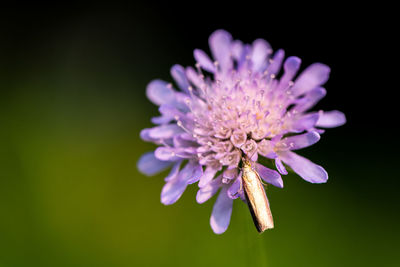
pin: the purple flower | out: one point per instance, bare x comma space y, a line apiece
236, 104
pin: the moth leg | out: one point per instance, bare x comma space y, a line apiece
240, 188
262, 182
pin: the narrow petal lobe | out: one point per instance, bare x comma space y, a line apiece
159, 92
148, 164
300, 141
270, 176
220, 45
307, 170
204, 61
221, 213
178, 73
331, 119
315, 75
174, 188
206, 192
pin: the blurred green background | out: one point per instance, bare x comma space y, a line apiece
72, 105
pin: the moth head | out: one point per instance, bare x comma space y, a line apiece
246, 162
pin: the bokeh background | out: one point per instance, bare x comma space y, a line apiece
72, 104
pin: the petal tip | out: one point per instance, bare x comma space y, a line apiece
216, 228
167, 199
292, 63
222, 33
199, 199
331, 119
149, 165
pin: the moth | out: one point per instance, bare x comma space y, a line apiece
256, 197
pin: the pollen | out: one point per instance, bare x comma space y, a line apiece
259, 116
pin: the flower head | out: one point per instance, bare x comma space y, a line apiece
237, 105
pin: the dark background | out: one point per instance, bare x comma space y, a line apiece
72, 103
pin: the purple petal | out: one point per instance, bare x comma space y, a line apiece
240, 53
178, 73
237, 51
307, 170
145, 135
181, 141
238, 138
190, 172
305, 122
330, 119
266, 149
188, 137
260, 52
174, 171
249, 147
193, 77
174, 188
207, 176
187, 152
314, 76
170, 111
149, 165
254, 157
231, 159
234, 188
276, 64
164, 131
172, 191
280, 167
220, 44
204, 61
197, 172
300, 141
166, 154
291, 66
206, 192
221, 213
270, 176
180, 101
163, 119
310, 99
159, 92
230, 173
